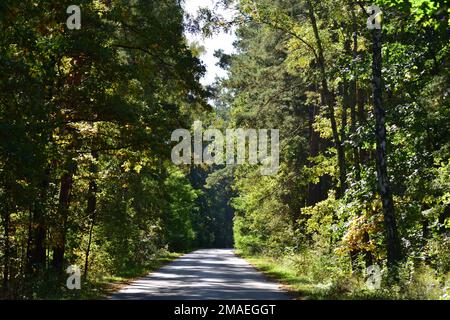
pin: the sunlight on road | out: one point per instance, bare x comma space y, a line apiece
204, 274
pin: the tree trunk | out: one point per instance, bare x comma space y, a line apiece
392, 240
91, 212
354, 95
36, 257
6, 257
342, 166
327, 99
61, 230
445, 214
314, 189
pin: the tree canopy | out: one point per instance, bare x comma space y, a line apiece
86, 117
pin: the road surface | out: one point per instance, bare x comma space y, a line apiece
212, 274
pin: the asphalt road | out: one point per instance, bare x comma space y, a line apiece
212, 274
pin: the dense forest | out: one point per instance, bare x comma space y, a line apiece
86, 118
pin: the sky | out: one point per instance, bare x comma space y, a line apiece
222, 40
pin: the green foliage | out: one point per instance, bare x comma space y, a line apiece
320, 235
85, 116
85, 123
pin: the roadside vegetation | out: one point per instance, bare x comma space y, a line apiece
364, 179
101, 286
86, 118
309, 278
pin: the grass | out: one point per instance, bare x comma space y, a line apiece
329, 284
302, 287
100, 288
347, 286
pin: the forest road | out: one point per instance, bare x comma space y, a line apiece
209, 274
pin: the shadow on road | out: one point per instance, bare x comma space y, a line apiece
209, 274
